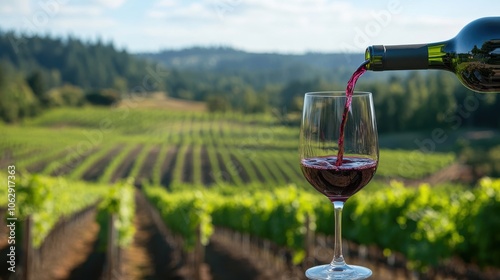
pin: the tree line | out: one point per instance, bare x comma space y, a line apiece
38, 72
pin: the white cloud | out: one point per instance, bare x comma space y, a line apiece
112, 4
166, 3
291, 27
81, 11
23, 7
81, 24
176, 14
257, 25
156, 14
294, 26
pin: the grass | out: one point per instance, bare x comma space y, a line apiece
411, 164
160, 101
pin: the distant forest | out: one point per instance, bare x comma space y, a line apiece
40, 72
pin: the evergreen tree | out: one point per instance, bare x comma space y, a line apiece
16, 98
37, 84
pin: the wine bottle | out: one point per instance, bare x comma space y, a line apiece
473, 55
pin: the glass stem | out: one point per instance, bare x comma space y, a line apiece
338, 258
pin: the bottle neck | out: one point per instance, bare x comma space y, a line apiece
408, 57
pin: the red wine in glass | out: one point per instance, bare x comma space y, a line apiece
338, 183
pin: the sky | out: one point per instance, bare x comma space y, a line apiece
293, 26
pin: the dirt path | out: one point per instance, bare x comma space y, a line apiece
97, 169
146, 171
69, 247
70, 165
206, 168
66, 253
228, 261
137, 263
260, 177
242, 173
285, 175
78, 253
150, 256
168, 166
38, 166
6, 158
123, 170
225, 175
187, 169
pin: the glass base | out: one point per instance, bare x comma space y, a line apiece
328, 271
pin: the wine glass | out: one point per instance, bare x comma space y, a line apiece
321, 145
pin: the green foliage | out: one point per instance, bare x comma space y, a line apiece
48, 200
103, 97
258, 69
185, 213
292, 95
16, 98
102, 219
217, 104
428, 225
37, 84
418, 102
119, 201
86, 65
278, 215
66, 95
479, 225
483, 156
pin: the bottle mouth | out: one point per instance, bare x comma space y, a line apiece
397, 57
375, 56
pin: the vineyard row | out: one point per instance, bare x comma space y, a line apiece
171, 166
427, 225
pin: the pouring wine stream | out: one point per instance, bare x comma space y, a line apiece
348, 92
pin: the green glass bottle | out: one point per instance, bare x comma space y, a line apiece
473, 55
